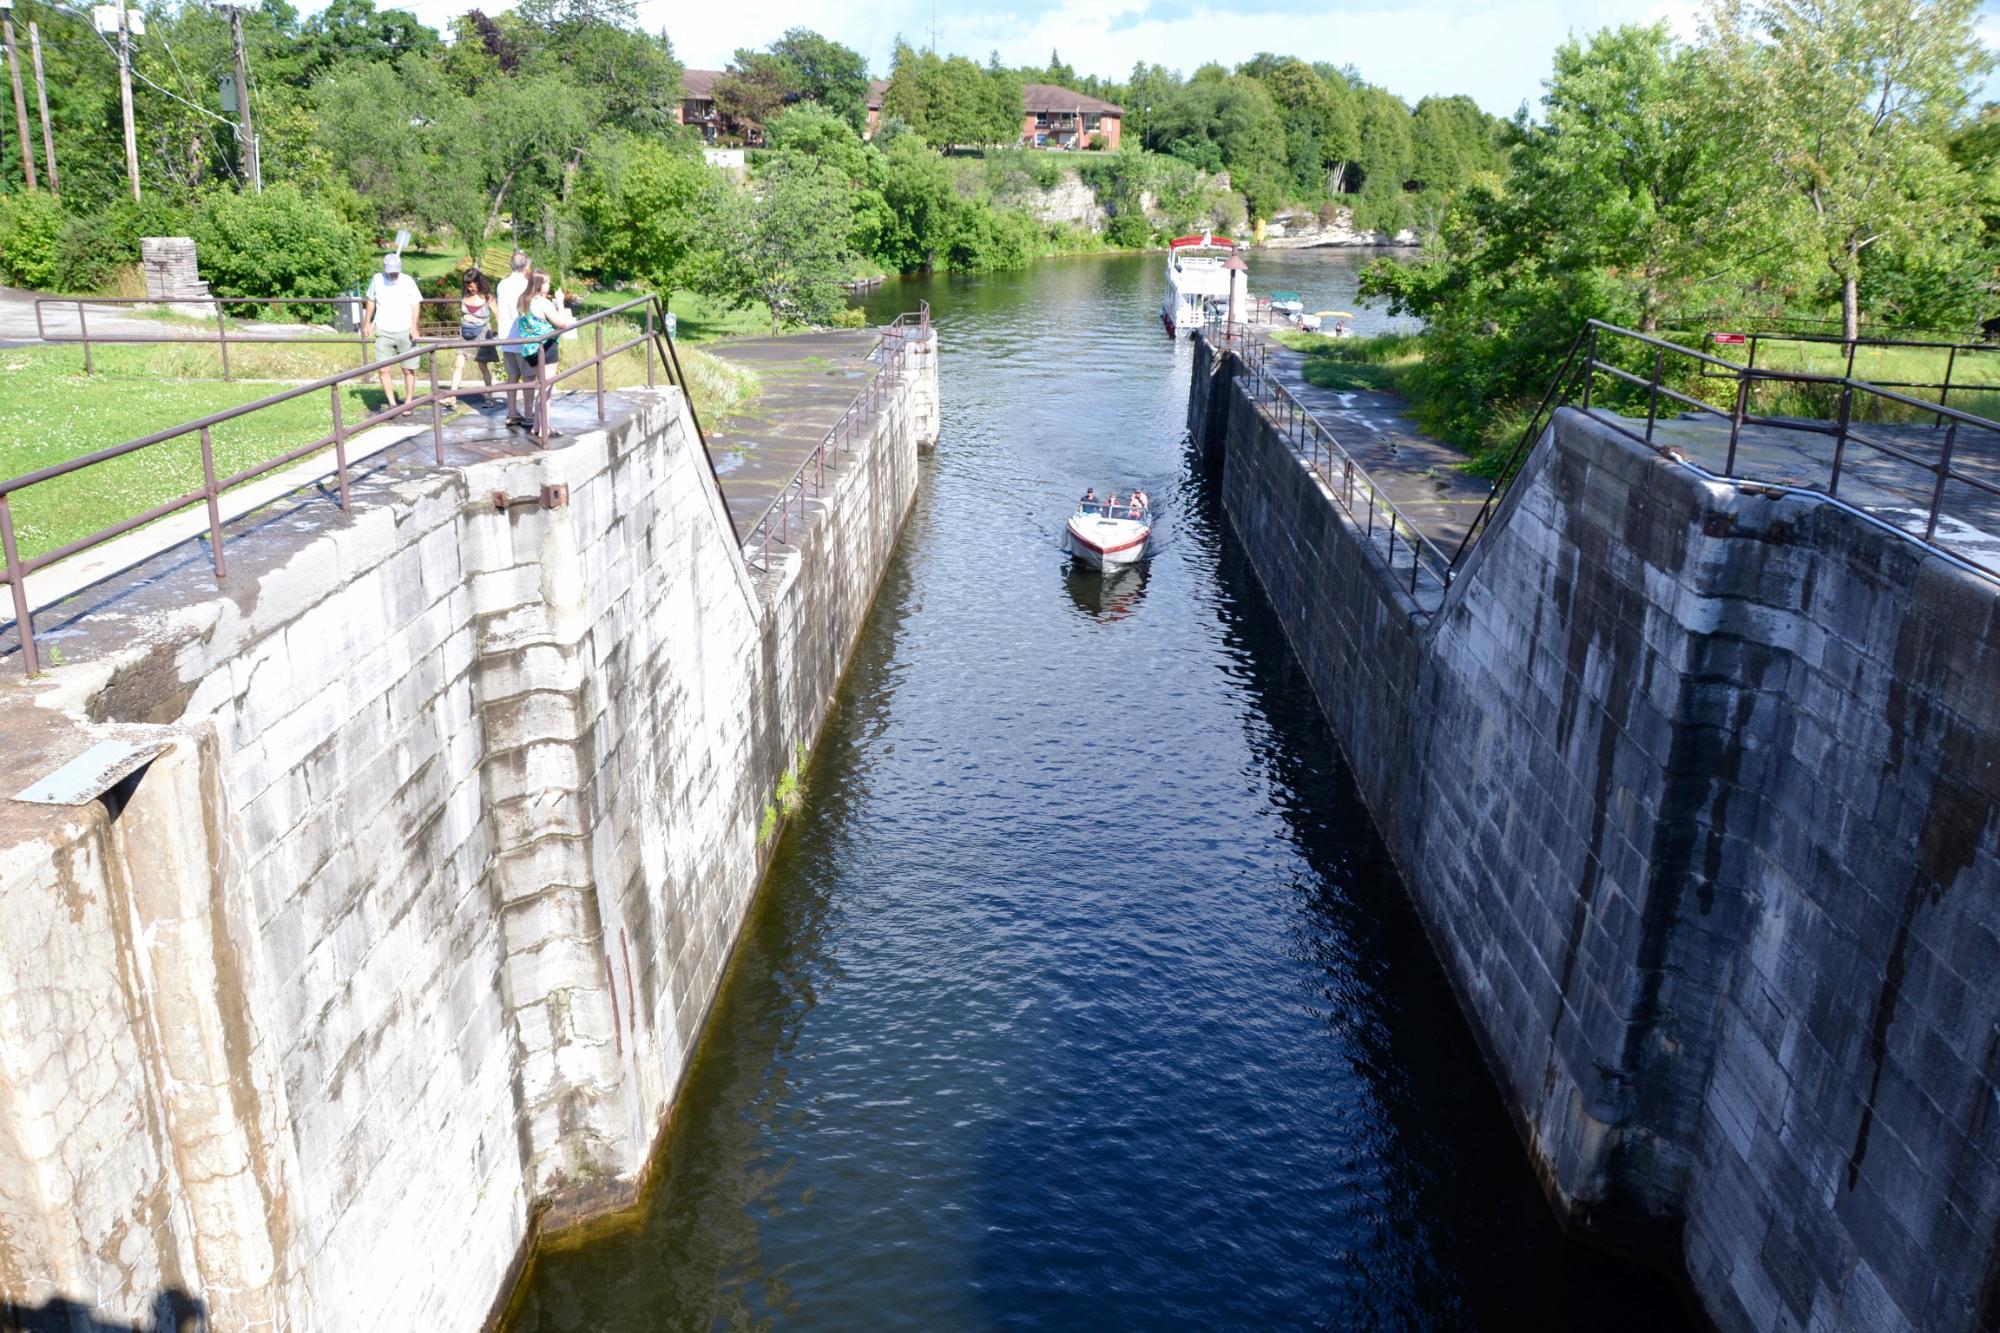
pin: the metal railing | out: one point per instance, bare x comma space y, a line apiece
1358, 494
809, 481
1755, 342
647, 312
227, 330
1854, 401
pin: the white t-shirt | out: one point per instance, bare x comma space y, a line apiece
396, 300
507, 301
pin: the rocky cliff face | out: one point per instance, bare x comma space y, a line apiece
1301, 231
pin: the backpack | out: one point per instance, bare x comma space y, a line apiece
530, 330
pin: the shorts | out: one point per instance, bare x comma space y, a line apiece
476, 333
517, 369
388, 345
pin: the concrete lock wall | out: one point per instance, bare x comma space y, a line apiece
1695, 791
401, 948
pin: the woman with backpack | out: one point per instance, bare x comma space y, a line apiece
537, 331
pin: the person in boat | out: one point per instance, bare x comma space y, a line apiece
1089, 501
1111, 504
1140, 502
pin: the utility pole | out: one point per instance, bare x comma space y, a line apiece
105, 17
252, 159
42, 101
20, 102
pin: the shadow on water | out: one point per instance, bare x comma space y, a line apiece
1104, 596
174, 1311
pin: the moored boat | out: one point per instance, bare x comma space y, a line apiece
1105, 535
1202, 271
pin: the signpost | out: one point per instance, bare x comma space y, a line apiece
1727, 339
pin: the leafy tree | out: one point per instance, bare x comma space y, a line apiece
349, 32
1851, 101
756, 86
649, 208
921, 198
1236, 115
787, 244
950, 101
828, 73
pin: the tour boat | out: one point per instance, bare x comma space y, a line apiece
1106, 536
1202, 271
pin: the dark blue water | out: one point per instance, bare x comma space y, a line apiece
1082, 993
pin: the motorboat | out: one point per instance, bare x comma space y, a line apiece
1106, 536
1307, 323
1202, 272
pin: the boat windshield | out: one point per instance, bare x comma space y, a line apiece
1098, 509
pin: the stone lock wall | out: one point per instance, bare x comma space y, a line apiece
401, 949
1695, 790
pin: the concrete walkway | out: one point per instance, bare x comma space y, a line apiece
1425, 479
806, 382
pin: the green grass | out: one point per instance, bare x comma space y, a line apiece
1381, 362
50, 412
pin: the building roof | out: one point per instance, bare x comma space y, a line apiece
699, 82
1039, 97
876, 87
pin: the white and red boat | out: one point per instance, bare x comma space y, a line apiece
1106, 536
1203, 271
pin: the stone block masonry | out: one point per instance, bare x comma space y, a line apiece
401, 949
1695, 789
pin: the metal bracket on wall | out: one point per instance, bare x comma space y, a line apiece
553, 496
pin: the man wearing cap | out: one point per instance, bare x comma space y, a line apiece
390, 317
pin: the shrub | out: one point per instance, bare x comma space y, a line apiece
96, 246
31, 227
278, 243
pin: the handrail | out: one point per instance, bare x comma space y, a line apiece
225, 334
810, 478
1325, 454
1843, 430
652, 337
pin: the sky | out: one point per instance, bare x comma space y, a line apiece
1495, 51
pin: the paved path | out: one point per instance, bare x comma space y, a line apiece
806, 380
1424, 477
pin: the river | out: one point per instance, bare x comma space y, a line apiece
1082, 992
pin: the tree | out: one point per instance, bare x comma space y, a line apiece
755, 87
952, 102
649, 209
1851, 101
350, 31
920, 195
1237, 116
828, 73
787, 244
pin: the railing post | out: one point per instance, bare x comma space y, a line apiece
24, 624
83, 327
1736, 422
222, 335
437, 410
214, 508
1943, 475
646, 344
1840, 435
340, 450
597, 332
1590, 371
1653, 392
1944, 390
